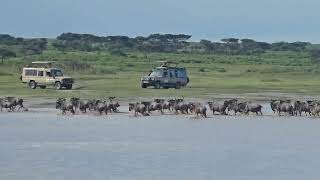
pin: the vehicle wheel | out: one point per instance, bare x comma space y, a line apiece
178, 85
58, 85
143, 86
43, 87
32, 84
157, 85
69, 87
165, 87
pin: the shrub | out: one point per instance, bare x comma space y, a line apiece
118, 53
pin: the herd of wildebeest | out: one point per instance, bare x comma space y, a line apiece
174, 106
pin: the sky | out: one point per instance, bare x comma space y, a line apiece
264, 20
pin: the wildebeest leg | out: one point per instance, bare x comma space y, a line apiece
72, 111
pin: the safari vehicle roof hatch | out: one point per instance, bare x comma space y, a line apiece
165, 64
41, 64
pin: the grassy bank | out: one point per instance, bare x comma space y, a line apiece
100, 74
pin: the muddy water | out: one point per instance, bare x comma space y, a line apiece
39, 145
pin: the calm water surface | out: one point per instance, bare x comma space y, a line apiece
40, 146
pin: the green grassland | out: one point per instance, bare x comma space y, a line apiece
102, 74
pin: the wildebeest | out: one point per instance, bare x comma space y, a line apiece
155, 106
315, 108
216, 107
198, 108
305, 107
181, 106
11, 103
85, 104
65, 105
113, 106
102, 106
165, 105
274, 105
2, 103
236, 107
75, 102
286, 107
252, 107
138, 108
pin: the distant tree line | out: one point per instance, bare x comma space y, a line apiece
168, 43
152, 43
21, 46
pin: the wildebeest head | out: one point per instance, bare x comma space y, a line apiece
116, 105
192, 107
210, 104
59, 102
131, 106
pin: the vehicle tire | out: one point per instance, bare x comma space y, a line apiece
143, 86
157, 85
58, 85
178, 85
43, 87
69, 87
32, 84
166, 87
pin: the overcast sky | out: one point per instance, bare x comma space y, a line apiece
265, 20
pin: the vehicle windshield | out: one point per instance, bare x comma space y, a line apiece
56, 72
156, 73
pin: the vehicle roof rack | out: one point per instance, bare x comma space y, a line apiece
43, 62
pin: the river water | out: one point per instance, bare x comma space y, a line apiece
49, 146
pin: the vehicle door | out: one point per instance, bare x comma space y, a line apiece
172, 77
49, 77
40, 76
182, 76
165, 76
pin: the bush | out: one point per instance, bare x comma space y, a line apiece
118, 53
107, 71
221, 70
76, 65
251, 70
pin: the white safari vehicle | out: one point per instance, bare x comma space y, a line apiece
42, 74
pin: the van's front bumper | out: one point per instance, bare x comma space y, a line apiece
148, 82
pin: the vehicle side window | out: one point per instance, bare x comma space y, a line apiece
176, 73
171, 74
48, 74
165, 74
40, 73
30, 72
181, 73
